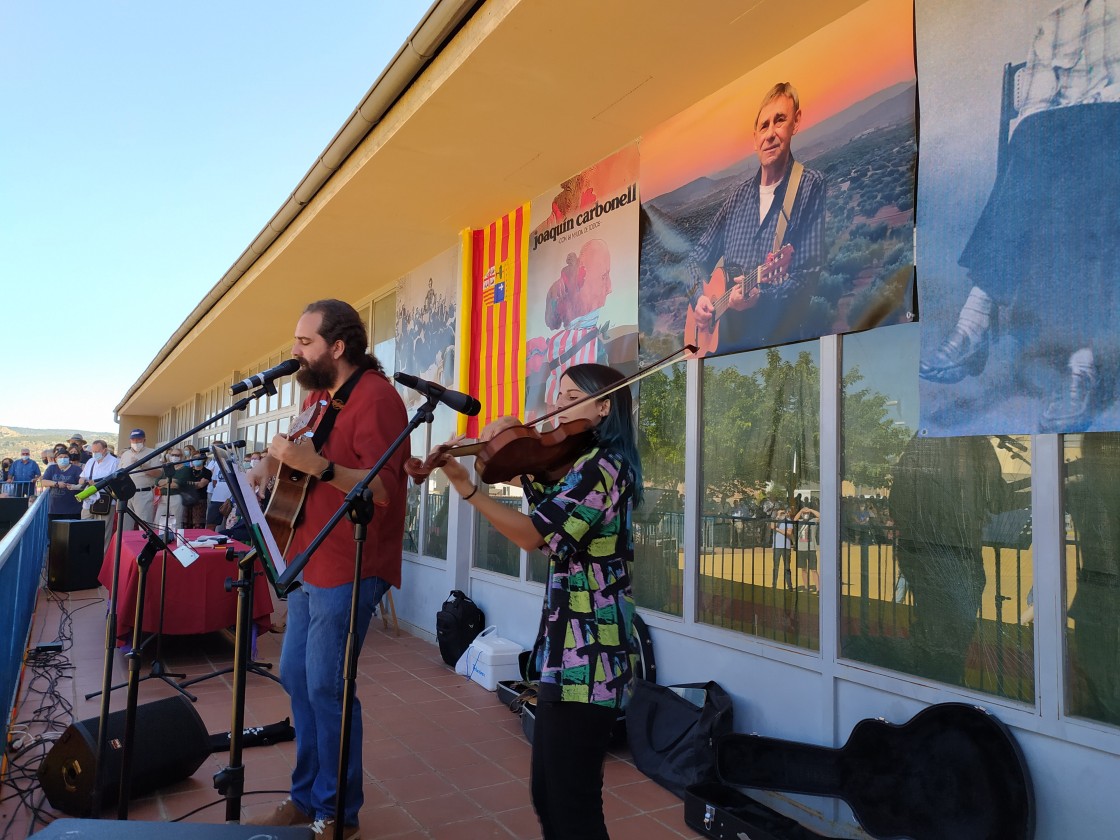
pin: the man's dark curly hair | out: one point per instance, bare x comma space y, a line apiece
341, 322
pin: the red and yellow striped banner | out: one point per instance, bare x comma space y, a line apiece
499, 256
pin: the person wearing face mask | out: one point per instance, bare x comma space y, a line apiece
192, 479
76, 447
143, 503
61, 478
100, 465
24, 473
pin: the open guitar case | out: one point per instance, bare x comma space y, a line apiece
952, 772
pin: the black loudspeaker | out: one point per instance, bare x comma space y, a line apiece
113, 830
76, 551
171, 743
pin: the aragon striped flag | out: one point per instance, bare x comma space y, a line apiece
495, 352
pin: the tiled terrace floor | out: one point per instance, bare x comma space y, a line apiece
443, 758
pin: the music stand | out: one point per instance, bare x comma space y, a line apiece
230, 780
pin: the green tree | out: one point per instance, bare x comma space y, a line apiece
762, 429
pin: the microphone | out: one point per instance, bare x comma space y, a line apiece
463, 403
233, 444
257, 380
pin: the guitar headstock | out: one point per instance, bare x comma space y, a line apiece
303, 424
777, 264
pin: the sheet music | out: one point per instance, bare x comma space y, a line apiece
252, 506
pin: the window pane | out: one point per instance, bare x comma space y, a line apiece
412, 499
935, 539
384, 320
286, 393
659, 521
1092, 505
437, 488
492, 551
760, 465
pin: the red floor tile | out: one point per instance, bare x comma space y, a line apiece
444, 759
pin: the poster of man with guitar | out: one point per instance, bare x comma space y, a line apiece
755, 268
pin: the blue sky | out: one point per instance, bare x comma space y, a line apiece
143, 147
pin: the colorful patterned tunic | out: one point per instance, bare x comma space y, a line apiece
585, 520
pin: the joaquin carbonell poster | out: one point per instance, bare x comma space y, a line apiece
426, 318
583, 277
1019, 208
780, 207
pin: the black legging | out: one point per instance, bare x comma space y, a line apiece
569, 744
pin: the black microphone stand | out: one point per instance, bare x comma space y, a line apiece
143, 560
358, 505
230, 780
121, 487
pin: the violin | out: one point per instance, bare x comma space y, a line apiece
514, 451
521, 449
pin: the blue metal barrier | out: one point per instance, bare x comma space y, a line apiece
22, 553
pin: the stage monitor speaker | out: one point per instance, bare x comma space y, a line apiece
65, 829
76, 551
171, 743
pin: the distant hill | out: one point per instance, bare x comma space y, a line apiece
14, 438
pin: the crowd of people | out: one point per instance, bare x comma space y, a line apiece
183, 488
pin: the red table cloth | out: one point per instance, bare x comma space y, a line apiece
197, 601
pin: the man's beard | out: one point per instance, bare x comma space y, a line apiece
317, 376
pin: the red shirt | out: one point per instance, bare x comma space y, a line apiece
371, 420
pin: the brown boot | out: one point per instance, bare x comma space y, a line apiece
286, 813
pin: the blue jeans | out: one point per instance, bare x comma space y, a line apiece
311, 670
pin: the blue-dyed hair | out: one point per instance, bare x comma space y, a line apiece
616, 430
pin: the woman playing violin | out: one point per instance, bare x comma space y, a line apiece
583, 521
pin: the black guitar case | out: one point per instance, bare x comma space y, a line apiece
952, 771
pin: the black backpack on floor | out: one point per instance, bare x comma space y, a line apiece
457, 623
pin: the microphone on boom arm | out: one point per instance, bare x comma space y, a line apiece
463, 403
257, 380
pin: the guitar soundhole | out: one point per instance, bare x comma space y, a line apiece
296, 477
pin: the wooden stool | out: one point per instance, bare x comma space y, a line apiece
387, 598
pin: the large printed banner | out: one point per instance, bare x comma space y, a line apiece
426, 322
775, 214
1019, 213
583, 277
494, 294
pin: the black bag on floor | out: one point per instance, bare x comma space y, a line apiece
457, 623
672, 730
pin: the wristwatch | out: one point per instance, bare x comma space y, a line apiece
328, 473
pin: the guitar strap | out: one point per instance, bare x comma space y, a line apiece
337, 403
787, 206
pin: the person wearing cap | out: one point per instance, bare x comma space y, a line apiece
143, 503
24, 473
78, 453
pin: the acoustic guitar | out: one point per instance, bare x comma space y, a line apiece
289, 487
718, 290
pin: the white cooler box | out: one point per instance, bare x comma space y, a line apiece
490, 658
